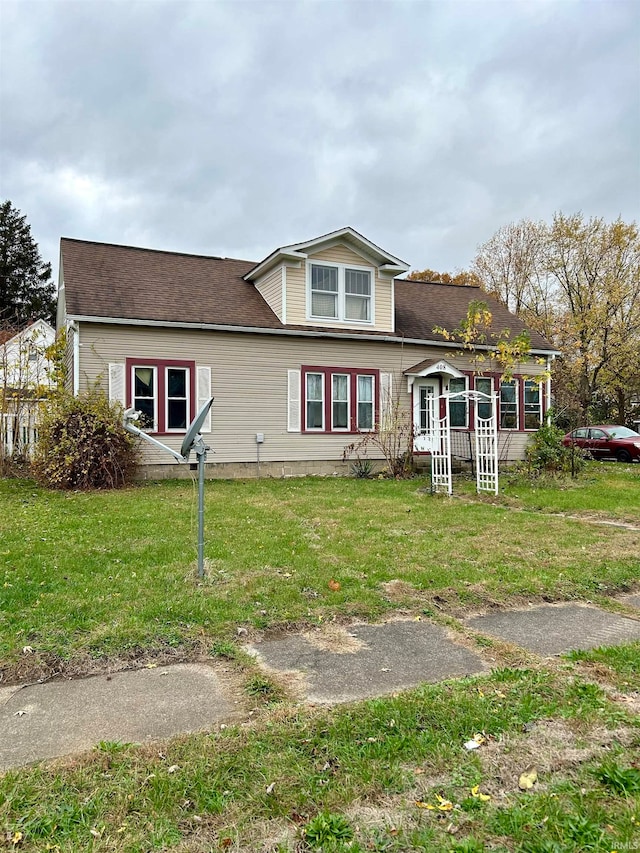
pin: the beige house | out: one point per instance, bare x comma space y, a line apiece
303, 351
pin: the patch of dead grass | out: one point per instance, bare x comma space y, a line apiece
334, 638
551, 746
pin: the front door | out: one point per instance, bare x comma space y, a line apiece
425, 413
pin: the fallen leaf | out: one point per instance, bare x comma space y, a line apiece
173, 768
95, 833
334, 585
27, 650
20, 713
422, 805
16, 838
269, 788
444, 805
475, 792
528, 779
151, 665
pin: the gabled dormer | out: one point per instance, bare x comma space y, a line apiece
339, 280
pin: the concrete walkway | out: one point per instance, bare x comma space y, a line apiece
58, 718
65, 717
554, 629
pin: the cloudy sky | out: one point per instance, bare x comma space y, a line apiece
232, 128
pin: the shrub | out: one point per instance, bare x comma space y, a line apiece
546, 454
325, 828
362, 469
83, 444
393, 440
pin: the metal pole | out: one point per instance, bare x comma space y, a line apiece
202, 455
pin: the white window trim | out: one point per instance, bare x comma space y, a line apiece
373, 403
463, 400
154, 368
525, 404
341, 318
306, 402
516, 385
348, 426
166, 398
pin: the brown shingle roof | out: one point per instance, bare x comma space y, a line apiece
421, 306
105, 280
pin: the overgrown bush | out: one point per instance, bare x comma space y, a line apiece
83, 445
546, 454
393, 440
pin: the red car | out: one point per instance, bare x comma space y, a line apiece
618, 442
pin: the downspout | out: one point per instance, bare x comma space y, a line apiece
75, 328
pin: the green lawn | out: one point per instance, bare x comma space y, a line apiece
605, 490
90, 580
88, 576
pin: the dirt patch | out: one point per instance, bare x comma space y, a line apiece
399, 591
549, 746
334, 638
37, 667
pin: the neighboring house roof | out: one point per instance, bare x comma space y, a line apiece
111, 282
23, 359
38, 329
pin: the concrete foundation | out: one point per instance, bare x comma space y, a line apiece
249, 470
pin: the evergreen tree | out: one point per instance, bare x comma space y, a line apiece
26, 290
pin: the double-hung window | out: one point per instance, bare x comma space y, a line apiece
509, 404
532, 404
324, 291
357, 295
315, 401
484, 385
365, 403
145, 396
340, 292
177, 386
163, 393
458, 407
339, 399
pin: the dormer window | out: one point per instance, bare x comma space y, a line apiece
340, 292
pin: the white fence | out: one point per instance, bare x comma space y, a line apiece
19, 433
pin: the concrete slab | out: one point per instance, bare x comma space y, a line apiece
632, 600
394, 656
64, 717
552, 630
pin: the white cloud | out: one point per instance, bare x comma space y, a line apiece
235, 127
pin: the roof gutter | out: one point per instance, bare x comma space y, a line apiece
301, 333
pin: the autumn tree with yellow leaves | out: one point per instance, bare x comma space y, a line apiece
577, 282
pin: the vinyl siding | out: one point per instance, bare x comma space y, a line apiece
297, 291
270, 288
249, 382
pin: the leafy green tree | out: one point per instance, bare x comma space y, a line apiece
26, 290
